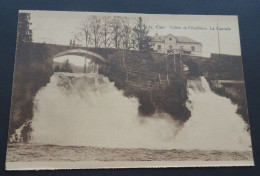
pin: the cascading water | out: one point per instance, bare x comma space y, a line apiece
214, 123
87, 109
78, 109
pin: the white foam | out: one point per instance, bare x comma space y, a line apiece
89, 110
214, 123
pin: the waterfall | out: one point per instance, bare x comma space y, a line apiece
88, 110
214, 123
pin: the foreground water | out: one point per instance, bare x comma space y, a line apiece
34, 152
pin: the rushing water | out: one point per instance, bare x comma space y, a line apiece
85, 117
214, 123
88, 110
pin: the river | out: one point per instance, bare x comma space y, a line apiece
28, 156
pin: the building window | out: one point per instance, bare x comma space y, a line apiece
159, 47
170, 47
192, 48
170, 38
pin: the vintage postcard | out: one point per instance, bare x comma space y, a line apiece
121, 90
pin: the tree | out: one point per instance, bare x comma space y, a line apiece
126, 33
57, 68
95, 27
66, 67
24, 33
91, 32
141, 37
106, 31
116, 33
83, 35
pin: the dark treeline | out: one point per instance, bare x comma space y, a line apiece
216, 67
24, 33
64, 67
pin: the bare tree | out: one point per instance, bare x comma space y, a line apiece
116, 31
95, 27
106, 31
119, 31
83, 35
126, 32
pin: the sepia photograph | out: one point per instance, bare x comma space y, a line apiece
124, 90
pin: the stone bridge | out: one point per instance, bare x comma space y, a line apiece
96, 55
99, 55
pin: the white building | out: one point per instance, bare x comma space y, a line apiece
162, 44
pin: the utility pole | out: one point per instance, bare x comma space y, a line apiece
85, 65
218, 40
167, 69
181, 65
174, 62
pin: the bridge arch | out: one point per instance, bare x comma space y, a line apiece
81, 52
91, 63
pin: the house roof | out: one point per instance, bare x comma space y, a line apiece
179, 39
158, 38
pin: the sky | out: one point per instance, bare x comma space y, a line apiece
58, 27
